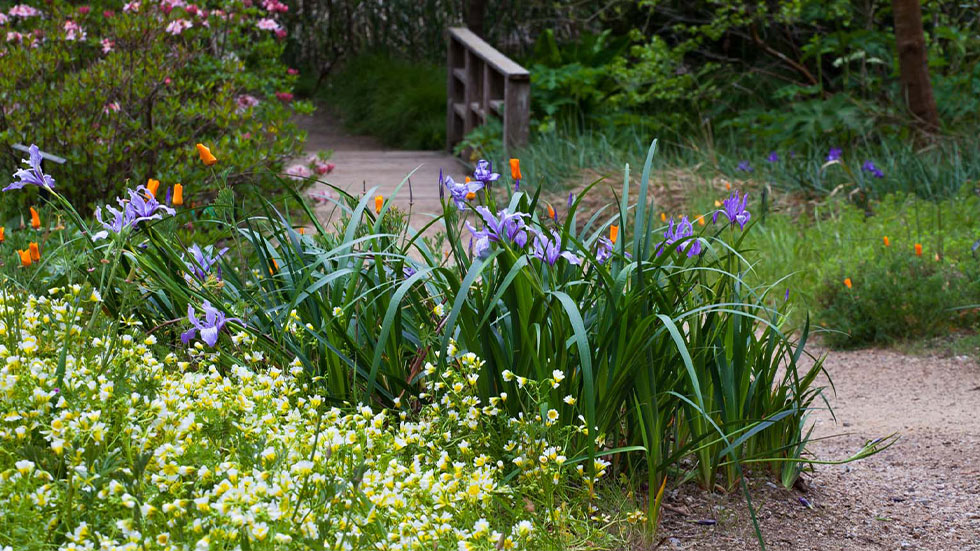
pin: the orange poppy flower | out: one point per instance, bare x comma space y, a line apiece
728, 186
470, 195
468, 180
25, 258
701, 220
302, 230
206, 157
2, 229
35, 251
663, 217
178, 198
613, 233
551, 213
847, 282
35, 219
152, 186
887, 241
379, 201
275, 265
918, 249
515, 169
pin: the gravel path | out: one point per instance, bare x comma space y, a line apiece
922, 493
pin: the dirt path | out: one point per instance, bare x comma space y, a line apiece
362, 163
922, 493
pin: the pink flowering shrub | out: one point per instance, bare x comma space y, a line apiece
124, 91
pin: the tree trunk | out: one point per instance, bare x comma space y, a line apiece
913, 64
475, 13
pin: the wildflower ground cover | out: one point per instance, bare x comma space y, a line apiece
345, 385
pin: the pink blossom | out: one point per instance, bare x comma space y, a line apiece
275, 6
292, 71
321, 167
167, 81
3, 18
284, 96
23, 11
84, 10
245, 101
107, 45
247, 136
108, 14
14, 36
178, 26
280, 34
267, 24
131, 7
111, 107
298, 172
73, 31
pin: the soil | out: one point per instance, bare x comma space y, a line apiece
921, 493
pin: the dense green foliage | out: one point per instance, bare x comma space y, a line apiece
126, 94
402, 103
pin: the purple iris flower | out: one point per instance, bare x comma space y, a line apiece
33, 175
869, 166
203, 261
571, 199
145, 206
734, 209
459, 191
744, 166
683, 230
214, 321
483, 173
835, 154
773, 157
408, 271
504, 224
121, 219
603, 250
549, 250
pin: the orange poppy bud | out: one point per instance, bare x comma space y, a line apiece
302, 231
379, 201
35, 252
25, 258
35, 219
206, 157
274, 265
178, 198
2, 229
152, 186
470, 195
728, 186
468, 180
887, 241
663, 217
515, 169
613, 233
847, 282
551, 213
701, 220
918, 249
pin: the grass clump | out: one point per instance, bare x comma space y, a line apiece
402, 103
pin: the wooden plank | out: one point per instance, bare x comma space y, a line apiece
517, 112
460, 74
460, 109
497, 106
44, 155
488, 53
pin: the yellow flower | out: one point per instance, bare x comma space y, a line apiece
206, 157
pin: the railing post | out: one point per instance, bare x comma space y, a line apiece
481, 83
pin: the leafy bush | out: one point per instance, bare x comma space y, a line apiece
126, 93
897, 296
127, 443
401, 102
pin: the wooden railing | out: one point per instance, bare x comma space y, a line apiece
482, 83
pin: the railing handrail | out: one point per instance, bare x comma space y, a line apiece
489, 54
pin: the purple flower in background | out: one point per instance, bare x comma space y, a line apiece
462, 192
603, 250
483, 173
773, 157
734, 209
835, 154
33, 175
122, 218
787, 294
214, 321
571, 199
203, 261
869, 166
683, 230
408, 271
744, 166
549, 250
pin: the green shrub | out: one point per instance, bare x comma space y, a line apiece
124, 97
401, 102
897, 296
